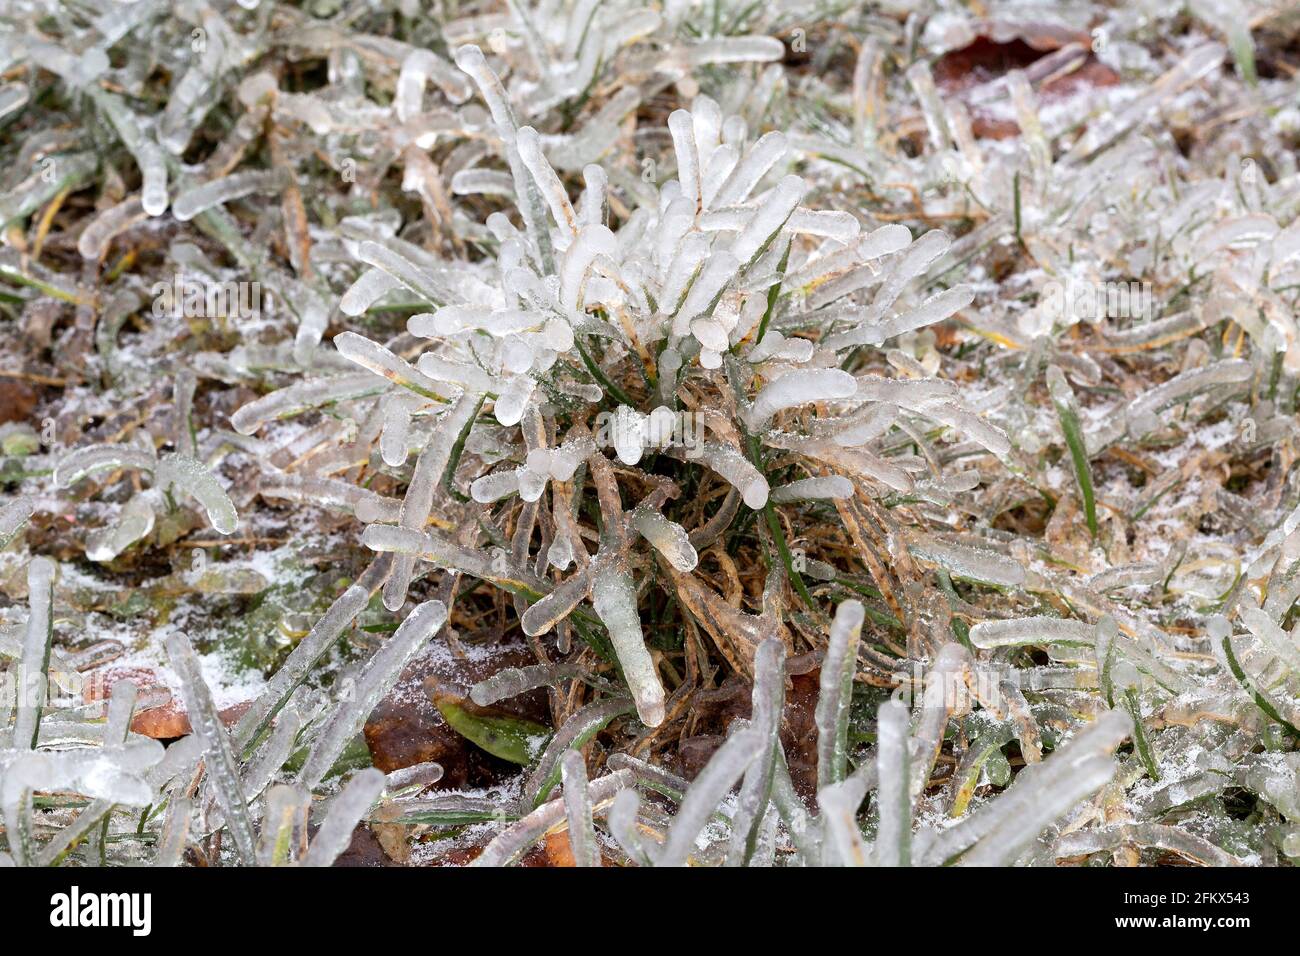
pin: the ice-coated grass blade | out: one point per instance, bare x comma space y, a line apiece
893, 745
767, 707
218, 756
1261, 699
717, 778
574, 734
13, 516
34, 668
577, 808
345, 812
377, 678
836, 694
507, 846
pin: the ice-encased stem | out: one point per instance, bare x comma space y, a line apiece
577, 808
418, 68
934, 309
217, 755
1015, 632
922, 82
667, 537
330, 493
298, 398
377, 679
13, 516
94, 239
1067, 410
734, 49
513, 681
175, 831
770, 217
134, 523
471, 60
218, 192
893, 747
523, 833
718, 270
866, 84
84, 461
372, 285
13, 97
33, 670
1142, 410
557, 605
418, 776
191, 96
593, 241
487, 489
766, 707
945, 689
681, 126
976, 564
614, 597
485, 182
706, 791
813, 489
190, 474
153, 174
382, 361
622, 821
572, 735
736, 469
271, 757
389, 538
836, 693
396, 262
841, 838
345, 812
548, 183
284, 825
418, 502
799, 388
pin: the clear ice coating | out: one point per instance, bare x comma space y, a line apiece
188, 475
376, 678
218, 755
620, 340
345, 812
613, 595
13, 515
893, 774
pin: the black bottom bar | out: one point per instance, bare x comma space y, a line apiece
327, 907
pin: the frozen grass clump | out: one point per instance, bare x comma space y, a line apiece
621, 434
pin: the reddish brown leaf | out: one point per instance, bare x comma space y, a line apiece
165, 722
1001, 48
